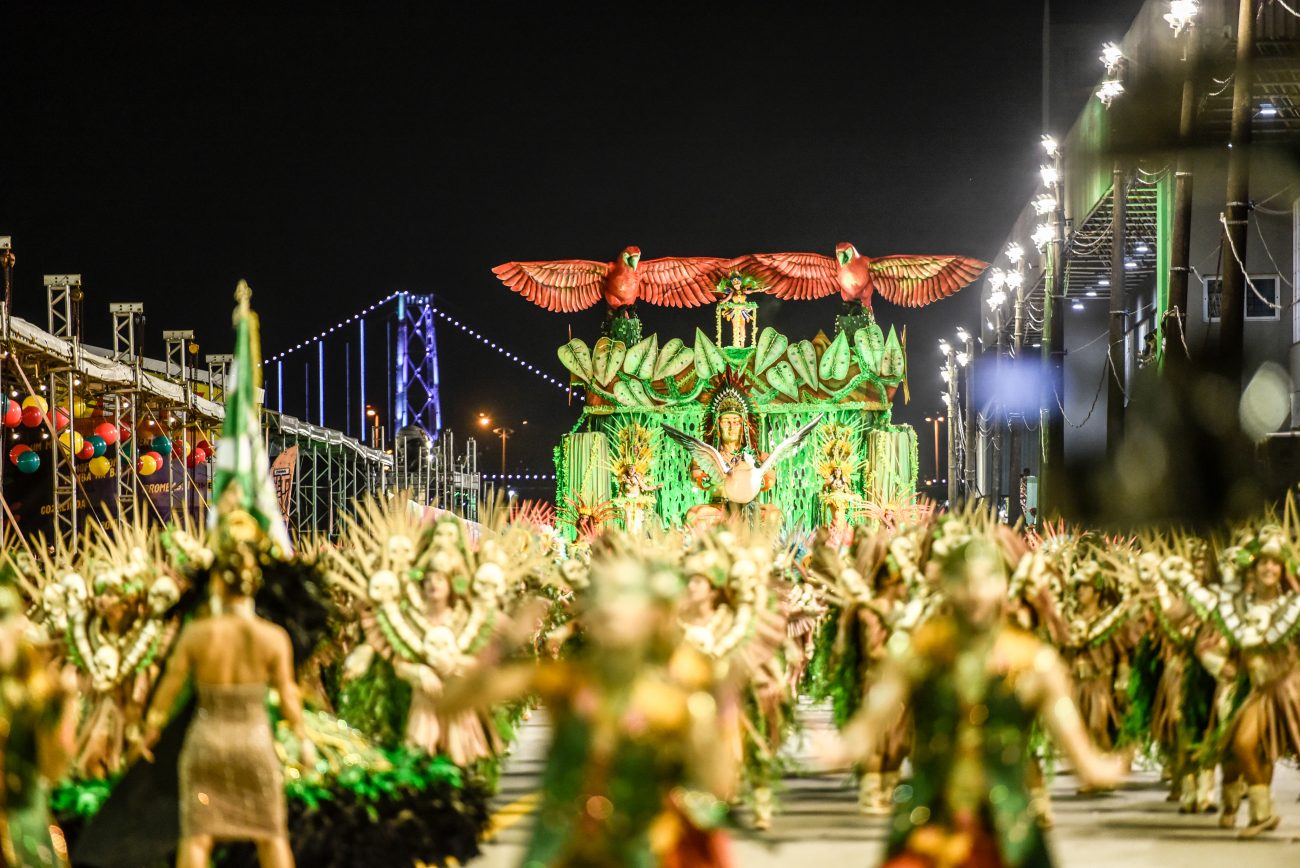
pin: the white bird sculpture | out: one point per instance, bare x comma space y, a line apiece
741, 478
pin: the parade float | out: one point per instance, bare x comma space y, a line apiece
788, 428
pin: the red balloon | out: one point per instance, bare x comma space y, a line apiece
61, 418
32, 416
157, 458
201, 455
204, 445
16, 451
123, 434
13, 414
108, 431
87, 451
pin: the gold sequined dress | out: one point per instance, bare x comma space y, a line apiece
232, 785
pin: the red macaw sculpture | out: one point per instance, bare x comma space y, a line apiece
566, 285
911, 281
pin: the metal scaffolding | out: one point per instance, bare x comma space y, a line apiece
432, 473
332, 471
218, 369
127, 316
63, 293
176, 360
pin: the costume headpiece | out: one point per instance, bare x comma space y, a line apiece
1269, 542
729, 399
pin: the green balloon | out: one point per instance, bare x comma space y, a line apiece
29, 462
162, 444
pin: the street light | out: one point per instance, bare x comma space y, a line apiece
1181, 14
1111, 56
505, 434
935, 421
376, 436
1043, 235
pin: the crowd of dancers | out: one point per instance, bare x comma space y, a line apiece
672, 664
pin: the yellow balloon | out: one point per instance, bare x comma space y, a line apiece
77, 440
148, 467
81, 409
36, 401
100, 467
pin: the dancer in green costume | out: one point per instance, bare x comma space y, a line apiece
975, 685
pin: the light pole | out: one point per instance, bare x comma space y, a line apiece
997, 298
935, 421
376, 432
1053, 469
1016, 282
949, 375
505, 434
1182, 15
964, 357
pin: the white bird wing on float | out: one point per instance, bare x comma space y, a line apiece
705, 455
788, 445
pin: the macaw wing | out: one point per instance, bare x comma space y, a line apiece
681, 281
706, 456
562, 285
792, 275
915, 281
790, 444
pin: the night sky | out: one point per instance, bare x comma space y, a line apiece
332, 159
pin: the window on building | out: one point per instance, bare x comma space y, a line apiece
1261, 303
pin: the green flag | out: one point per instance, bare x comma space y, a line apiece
241, 455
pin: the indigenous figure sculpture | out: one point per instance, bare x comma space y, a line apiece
733, 471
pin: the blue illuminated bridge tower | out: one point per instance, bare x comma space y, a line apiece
416, 399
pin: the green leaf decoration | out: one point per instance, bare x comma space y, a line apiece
577, 358
871, 347
782, 378
607, 359
708, 359
891, 363
640, 361
835, 361
673, 359
630, 393
804, 358
771, 346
